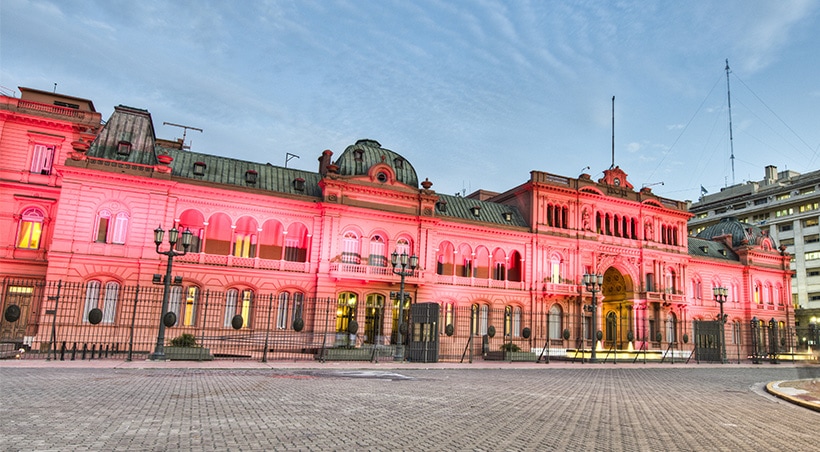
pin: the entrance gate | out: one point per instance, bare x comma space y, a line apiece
423, 346
707, 340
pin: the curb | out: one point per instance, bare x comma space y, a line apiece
798, 397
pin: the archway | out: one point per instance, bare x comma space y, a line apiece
617, 306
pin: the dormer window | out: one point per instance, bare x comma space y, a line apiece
199, 168
507, 216
705, 249
299, 184
398, 163
441, 206
357, 154
251, 176
124, 148
476, 210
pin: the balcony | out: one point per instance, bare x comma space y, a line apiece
244, 262
341, 270
479, 282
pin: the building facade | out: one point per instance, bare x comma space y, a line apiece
266, 242
786, 206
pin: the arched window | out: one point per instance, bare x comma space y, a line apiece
345, 311
516, 321
282, 311
238, 303
449, 315
351, 253
108, 303
111, 228
465, 259
444, 259
555, 269
555, 322
483, 319
288, 309
403, 246
374, 314
756, 294
31, 229
672, 328
611, 327
183, 302
245, 238
377, 255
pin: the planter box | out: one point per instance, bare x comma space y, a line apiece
354, 354
188, 354
510, 356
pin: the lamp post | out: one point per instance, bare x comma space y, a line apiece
720, 294
593, 283
173, 236
403, 267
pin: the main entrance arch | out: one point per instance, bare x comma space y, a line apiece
616, 312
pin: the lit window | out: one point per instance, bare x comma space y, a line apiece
31, 229
238, 304
42, 158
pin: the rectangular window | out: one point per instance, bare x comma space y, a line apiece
761, 201
282, 311
787, 242
809, 222
783, 196
814, 238
813, 273
41, 159
814, 255
102, 230
809, 207
784, 212
785, 227
120, 226
191, 296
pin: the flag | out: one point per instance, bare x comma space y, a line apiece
703, 190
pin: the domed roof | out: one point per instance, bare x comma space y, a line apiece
742, 233
358, 158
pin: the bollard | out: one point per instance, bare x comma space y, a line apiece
84, 351
74, 352
62, 352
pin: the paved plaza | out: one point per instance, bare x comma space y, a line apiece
130, 406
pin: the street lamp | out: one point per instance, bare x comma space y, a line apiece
403, 267
593, 283
173, 236
720, 297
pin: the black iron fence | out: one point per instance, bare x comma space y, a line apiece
75, 321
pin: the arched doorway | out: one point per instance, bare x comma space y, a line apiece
618, 295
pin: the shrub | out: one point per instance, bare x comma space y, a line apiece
184, 340
510, 347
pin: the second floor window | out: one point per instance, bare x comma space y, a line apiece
111, 228
42, 158
31, 229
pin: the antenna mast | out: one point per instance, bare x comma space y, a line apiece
731, 143
613, 133
184, 131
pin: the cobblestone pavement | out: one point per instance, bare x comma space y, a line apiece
537, 407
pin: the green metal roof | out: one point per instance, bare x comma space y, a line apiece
488, 212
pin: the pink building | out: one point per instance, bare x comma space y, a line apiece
268, 242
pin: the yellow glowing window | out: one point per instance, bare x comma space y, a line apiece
31, 228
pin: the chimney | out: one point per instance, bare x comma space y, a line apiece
771, 175
324, 161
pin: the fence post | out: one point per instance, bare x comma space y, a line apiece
53, 344
267, 330
133, 320
205, 316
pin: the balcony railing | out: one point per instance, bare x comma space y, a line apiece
244, 262
479, 282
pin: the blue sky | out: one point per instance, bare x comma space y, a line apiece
476, 94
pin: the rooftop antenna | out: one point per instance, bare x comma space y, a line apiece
731, 143
613, 133
289, 157
652, 184
55, 88
184, 132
